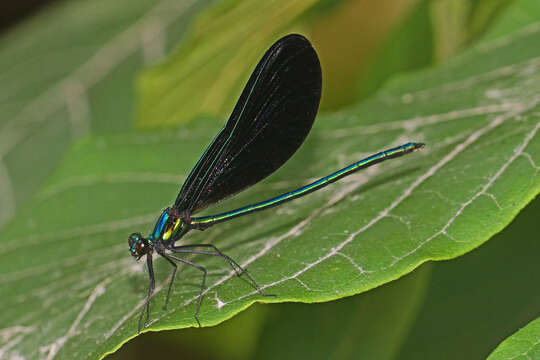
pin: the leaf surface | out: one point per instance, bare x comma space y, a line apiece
69, 71
524, 344
79, 294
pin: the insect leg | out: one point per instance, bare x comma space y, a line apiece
171, 282
203, 284
151, 287
236, 267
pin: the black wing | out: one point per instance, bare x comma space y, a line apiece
268, 124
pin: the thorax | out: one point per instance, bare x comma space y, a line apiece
168, 226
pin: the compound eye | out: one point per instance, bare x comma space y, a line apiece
135, 237
135, 241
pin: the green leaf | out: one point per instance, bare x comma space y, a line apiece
461, 308
74, 291
409, 46
428, 32
524, 344
446, 307
519, 14
457, 23
69, 71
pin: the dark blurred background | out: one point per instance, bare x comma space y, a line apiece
13, 12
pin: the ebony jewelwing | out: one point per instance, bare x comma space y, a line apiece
270, 121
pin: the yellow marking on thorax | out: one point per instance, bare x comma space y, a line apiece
167, 234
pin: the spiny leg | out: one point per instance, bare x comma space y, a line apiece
171, 282
183, 249
234, 265
203, 284
151, 287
